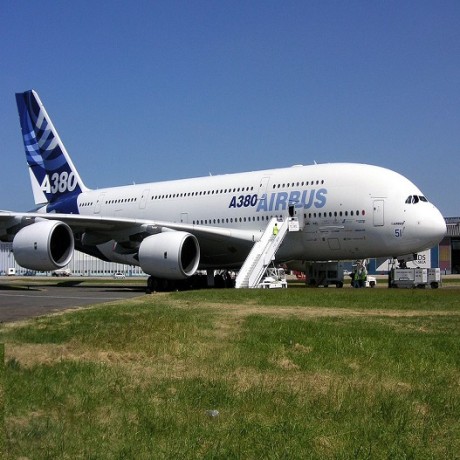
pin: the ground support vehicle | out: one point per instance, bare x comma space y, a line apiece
414, 277
371, 281
61, 272
325, 274
275, 279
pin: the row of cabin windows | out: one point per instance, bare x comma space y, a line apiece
209, 192
234, 190
124, 200
298, 184
201, 193
231, 220
336, 214
121, 200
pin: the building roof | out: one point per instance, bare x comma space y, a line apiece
453, 226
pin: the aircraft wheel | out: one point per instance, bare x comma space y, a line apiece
152, 285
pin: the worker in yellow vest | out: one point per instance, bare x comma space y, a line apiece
362, 277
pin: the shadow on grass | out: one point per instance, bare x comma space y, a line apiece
69, 283
81, 284
21, 287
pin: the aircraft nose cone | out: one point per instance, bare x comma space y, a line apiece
434, 227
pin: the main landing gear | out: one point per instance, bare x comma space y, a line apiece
217, 280
163, 285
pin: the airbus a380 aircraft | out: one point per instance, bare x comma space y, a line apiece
172, 229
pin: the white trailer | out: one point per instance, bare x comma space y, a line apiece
434, 277
415, 277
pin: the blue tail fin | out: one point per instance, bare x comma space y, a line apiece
54, 177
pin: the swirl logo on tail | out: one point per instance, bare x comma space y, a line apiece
54, 178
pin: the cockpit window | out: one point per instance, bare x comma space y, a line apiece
414, 199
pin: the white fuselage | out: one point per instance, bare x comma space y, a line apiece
345, 211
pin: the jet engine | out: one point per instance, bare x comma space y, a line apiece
45, 245
170, 255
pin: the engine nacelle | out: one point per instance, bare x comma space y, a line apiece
170, 255
43, 246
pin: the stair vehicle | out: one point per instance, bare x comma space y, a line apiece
263, 252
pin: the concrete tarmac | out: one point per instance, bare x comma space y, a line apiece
21, 301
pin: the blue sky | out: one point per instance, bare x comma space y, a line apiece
153, 90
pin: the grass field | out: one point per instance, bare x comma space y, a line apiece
296, 373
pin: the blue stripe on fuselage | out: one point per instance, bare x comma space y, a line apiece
65, 205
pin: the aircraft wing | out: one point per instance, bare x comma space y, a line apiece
98, 230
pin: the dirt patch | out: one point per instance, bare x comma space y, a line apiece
29, 354
315, 312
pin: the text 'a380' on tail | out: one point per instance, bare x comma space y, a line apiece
54, 178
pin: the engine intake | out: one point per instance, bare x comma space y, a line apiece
170, 255
45, 245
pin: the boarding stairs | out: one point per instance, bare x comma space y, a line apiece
262, 254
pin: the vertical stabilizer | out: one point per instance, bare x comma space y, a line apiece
53, 176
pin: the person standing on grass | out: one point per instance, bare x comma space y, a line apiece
362, 277
355, 279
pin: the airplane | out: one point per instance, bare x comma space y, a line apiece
173, 229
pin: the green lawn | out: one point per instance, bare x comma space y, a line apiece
296, 373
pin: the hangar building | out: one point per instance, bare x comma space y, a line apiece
449, 248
